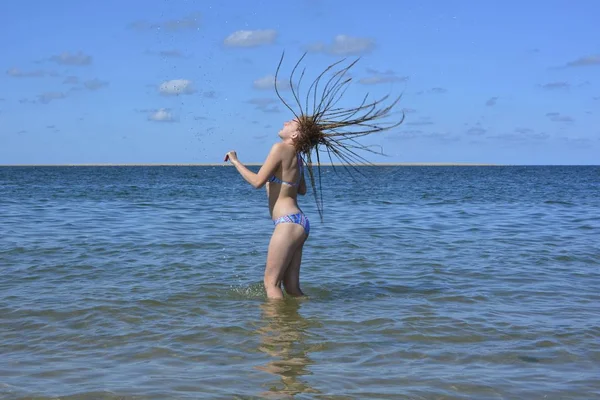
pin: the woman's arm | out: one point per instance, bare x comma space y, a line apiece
268, 168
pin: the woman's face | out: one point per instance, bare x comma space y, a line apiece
289, 130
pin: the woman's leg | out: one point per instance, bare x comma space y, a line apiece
287, 237
291, 277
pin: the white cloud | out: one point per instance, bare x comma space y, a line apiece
176, 87
161, 115
251, 38
344, 45
268, 82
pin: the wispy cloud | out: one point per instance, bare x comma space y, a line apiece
420, 122
491, 101
344, 45
268, 83
188, 23
435, 90
263, 104
161, 115
411, 134
585, 61
71, 80
555, 86
48, 97
524, 131
176, 87
95, 84
244, 60
406, 134
246, 38
558, 117
520, 136
73, 59
576, 141
438, 90
261, 101
476, 131
442, 136
270, 110
379, 77
38, 73
166, 53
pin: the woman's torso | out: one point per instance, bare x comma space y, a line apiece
283, 197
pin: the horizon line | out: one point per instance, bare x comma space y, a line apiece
247, 164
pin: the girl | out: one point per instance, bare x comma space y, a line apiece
283, 170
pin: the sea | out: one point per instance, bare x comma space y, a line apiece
421, 282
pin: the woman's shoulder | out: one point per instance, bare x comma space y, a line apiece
283, 148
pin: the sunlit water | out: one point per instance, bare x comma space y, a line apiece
422, 283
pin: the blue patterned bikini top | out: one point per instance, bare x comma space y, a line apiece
277, 180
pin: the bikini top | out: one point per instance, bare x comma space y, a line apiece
277, 180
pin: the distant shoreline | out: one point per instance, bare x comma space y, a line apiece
249, 164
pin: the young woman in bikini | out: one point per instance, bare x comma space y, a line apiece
283, 170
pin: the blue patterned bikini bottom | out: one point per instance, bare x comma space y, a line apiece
298, 218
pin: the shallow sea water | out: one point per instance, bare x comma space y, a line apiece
421, 283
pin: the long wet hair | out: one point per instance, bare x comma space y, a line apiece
334, 128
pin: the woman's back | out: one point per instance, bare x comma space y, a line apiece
286, 183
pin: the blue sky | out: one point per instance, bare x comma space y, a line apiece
513, 82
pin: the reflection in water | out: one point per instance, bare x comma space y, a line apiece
283, 337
